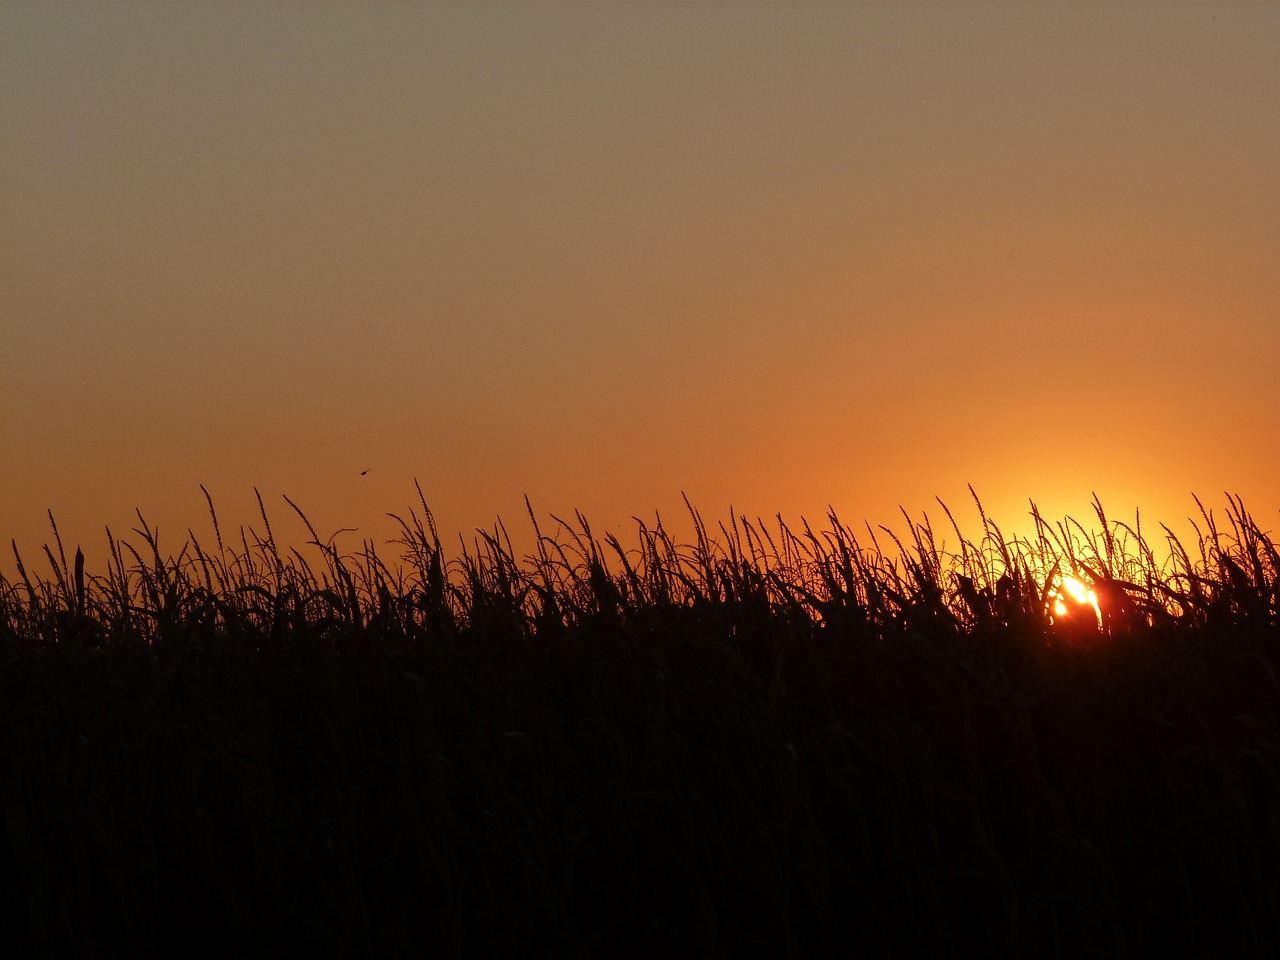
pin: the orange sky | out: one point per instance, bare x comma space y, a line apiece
774, 256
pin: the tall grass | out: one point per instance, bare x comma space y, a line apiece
771, 736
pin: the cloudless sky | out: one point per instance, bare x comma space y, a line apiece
775, 256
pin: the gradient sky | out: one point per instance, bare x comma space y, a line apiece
775, 256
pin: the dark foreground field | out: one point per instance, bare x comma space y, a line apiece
768, 741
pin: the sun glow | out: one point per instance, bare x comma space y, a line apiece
1071, 595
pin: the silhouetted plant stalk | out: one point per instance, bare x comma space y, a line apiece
767, 738
887, 582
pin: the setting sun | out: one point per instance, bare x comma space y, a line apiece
1072, 590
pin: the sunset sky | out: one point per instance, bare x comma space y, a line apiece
774, 256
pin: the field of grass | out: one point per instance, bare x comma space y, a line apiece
770, 740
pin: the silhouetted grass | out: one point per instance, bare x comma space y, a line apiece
772, 740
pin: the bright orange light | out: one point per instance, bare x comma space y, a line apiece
1078, 592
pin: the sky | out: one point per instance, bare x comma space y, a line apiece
774, 257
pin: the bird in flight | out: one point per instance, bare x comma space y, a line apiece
365, 472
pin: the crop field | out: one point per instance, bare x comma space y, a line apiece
776, 740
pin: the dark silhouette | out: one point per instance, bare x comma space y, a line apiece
776, 743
